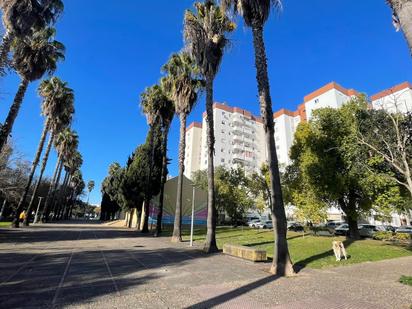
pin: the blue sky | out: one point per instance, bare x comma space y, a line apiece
116, 48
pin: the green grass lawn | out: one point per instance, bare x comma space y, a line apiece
5, 224
310, 251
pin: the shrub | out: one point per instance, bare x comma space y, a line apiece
406, 280
383, 235
403, 236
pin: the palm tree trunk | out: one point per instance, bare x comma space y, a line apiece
147, 198
210, 242
162, 181
4, 51
45, 213
282, 264
36, 160
403, 10
57, 187
177, 228
58, 198
6, 128
43, 167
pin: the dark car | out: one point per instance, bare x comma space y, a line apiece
296, 227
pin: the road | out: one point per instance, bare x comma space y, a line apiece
94, 266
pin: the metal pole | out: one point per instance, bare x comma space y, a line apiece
193, 217
37, 211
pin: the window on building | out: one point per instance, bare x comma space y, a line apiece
223, 160
221, 150
223, 131
223, 122
317, 101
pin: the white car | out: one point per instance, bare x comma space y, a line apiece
404, 229
253, 223
265, 224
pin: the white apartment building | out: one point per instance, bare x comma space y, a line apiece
240, 135
396, 99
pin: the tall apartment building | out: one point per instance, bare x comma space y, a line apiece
240, 135
396, 99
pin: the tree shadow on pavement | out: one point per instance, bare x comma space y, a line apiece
223, 298
298, 266
40, 280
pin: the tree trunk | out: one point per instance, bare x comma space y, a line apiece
353, 228
56, 188
210, 242
30, 180
147, 198
403, 10
3, 208
60, 197
43, 167
177, 228
163, 180
45, 213
282, 264
4, 51
6, 128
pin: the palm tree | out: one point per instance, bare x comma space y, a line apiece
90, 187
166, 113
57, 99
402, 17
204, 33
152, 101
182, 84
33, 57
64, 141
73, 164
255, 14
60, 117
22, 17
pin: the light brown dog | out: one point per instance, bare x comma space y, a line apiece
339, 250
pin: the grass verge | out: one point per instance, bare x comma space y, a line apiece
5, 224
309, 251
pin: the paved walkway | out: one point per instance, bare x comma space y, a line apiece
91, 266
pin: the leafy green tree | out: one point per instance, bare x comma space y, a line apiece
232, 191
255, 14
204, 33
388, 137
182, 85
140, 172
153, 100
333, 167
22, 17
33, 56
402, 17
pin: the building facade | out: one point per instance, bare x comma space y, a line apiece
240, 136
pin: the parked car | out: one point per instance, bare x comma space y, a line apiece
265, 224
367, 230
296, 227
253, 223
389, 228
342, 230
332, 225
404, 229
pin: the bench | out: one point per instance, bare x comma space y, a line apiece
246, 253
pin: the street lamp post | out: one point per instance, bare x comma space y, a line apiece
37, 211
193, 217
